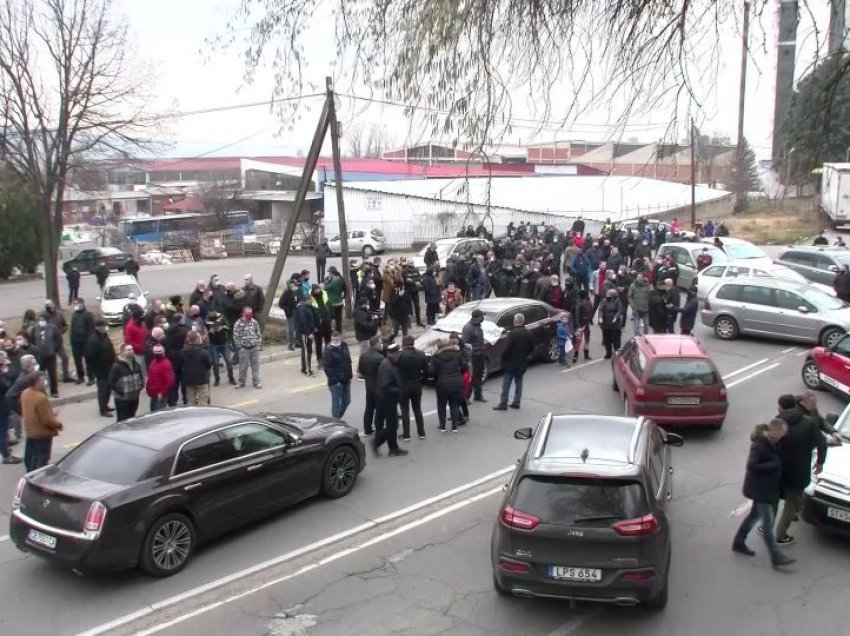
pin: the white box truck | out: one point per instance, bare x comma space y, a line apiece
835, 193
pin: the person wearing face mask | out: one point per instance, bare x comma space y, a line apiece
161, 379
40, 422
248, 338
431, 289
217, 290
400, 309
14, 354
100, 356
452, 298
82, 327
126, 382
369, 291
175, 339
288, 302
337, 369
47, 341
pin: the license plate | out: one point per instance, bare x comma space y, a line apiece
563, 573
682, 401
837, 513
44, 540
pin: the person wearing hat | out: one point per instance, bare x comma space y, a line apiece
388, 391
473, 337
611, 322
100, 356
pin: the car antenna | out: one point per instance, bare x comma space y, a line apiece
584, 455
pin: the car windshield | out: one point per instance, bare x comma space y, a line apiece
743, 251
444, 249
821, 299
562, 501
717, 256
118, 292
683, 372
107, 459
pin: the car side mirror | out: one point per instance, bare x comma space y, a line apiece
833, 268
673, 439
803, 309
147, 293
523, 433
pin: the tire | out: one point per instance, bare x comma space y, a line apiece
340, 472
830, 336
811, 375
659, 601
552, 350
501, 590
726, 328
614, 386
156, 558
368, 250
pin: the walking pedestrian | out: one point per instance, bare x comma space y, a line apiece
689, 312
100, 356
40, 423
762, 486
218, 332
248, 339
82, 327
196, 370
413, 369
305, 327
161, 378
322, 254
611, 322
101, 273
288, 302
519, 345
448, 366
473, 338
126, 382
388, 390
337, 369
367, 368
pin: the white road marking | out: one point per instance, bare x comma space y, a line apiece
5, 537
800, 354
317, 564
298, 552
429, 413
579, 367
789, 350
745, 369
752, 375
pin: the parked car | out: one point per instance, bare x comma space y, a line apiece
740, 250
147, 491
366, 242
775, 308
655, 225
713, 274
826, 500
829, 368
116, 295
452, 247
670, 379
584, 516
685, 256
88, 260
818, 264
540, 319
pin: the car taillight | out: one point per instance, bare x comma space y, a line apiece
636, 527
95, 518
723, 392
640, 575
514, 566
706, 305
640, 394
19, 492
517, 519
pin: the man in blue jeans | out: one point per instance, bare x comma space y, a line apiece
519, 345
761, 484
337, 368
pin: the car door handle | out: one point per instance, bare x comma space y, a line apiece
669, 496
254, 467
193, 486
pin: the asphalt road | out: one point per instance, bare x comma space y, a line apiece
408, 550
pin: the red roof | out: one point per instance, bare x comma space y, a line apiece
189, 204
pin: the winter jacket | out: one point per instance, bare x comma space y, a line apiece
136, 334
689, 313
639, 296
335, 290
611, 314
161, 377
247, 334
288, 302
57, 319
399, 307
519, 345
431, 288
337, 364
562, 333
322, 252
764, 467
364, 325
231, 307
47, 341
217, 330
195, 297
175, 340
305, 320
388, 386
673, 301
447, 366
657, 314
39, 419
6, 382
368, 366
473, 337
196, 365
321, 309
100, 354
254, 298
796, 448
82, 326
412, 367
125, 379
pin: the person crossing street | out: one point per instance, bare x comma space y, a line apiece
388, 390
473, 337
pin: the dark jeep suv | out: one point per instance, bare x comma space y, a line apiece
585, 514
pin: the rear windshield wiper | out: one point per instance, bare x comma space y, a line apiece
599, 518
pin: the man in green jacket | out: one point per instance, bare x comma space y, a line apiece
639, 302
335, 291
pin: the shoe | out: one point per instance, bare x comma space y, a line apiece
105, 414
216, 383
500, 407
782, 561
67, 379
241, 385
311, 374
258, 385
480, 398
514, 406
743, 548
421, 437
575, 359
442, 429
405, 439
419, 324
454, 430
607, 356
54, 395
587, 355
78, 381
11, 459
90, 383
786, 540
369, 433
398, 452
109, 409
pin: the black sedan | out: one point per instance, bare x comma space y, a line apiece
88, 260
540, 318
146, 492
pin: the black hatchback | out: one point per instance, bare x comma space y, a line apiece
584, 516
146, 492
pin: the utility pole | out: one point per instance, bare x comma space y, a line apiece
741, 197
693, 176
340, 202
786, 51
837, 20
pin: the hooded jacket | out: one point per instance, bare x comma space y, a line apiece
764, 467
337, 364
196, 365
160, 376
448, 365
388, 387
796, 447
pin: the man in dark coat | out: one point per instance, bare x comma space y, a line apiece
689, 312
796, 448
413, 369
305, 327
47, 341
175, 340
288, 302
73, 278
322, 254
132, 268
254, 297
365, 325
430, 257
673, 304
657, 309
841, 283
337, 369
519, 345
367, 368
388, 391
82, 327
433, 295
473, 337
611, 322
762, 485
100, 356
101, 273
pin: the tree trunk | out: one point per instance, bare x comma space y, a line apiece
48, 253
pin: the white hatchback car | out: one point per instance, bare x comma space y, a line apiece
740, 250
713, 274
366, 242
116, 294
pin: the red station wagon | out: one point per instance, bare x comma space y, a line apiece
670, 379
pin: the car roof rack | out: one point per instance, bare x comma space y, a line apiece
546, 424
635, 437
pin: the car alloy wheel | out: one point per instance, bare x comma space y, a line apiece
811, 375
169, 545
726, 328
340, 472
553, 350
831, 337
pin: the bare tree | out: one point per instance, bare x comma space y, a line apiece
366, 140
69, 91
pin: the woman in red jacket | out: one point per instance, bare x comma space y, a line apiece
136, 334
160, 379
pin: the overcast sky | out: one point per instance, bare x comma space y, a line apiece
171, 38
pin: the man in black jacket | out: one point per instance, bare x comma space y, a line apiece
82, 327
519, 345
796, 449
254, 297
337, 368
305, 327
322, 254
47, 340
433, 295
175, 340
73, 278
100, 356
197, 365
388, 391
365, 325
413, 369
367, 368
762, 485
126, 382
288, 302
611, 322
473, 337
